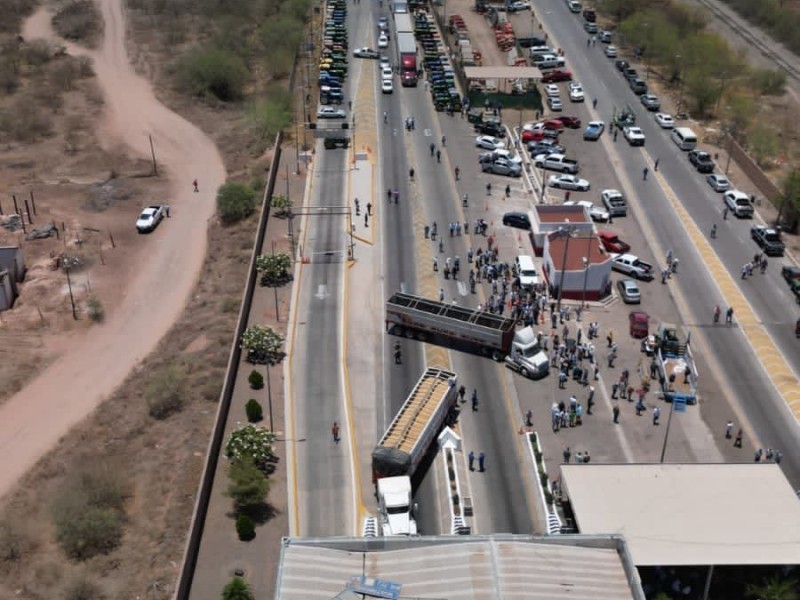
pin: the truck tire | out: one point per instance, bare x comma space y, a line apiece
421, 336
524, 372
498, 356
399, 330
409, 333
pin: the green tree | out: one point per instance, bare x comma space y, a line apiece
251, 443
274, 268
763, 142
237, 589
272, 114
789, 202
235, 202
248, 486
215, 72
262, 344
775, 589
769, 82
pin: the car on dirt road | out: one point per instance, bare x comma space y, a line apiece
568, 182
150, 218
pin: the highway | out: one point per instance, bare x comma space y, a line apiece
776, 311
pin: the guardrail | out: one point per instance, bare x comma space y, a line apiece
218, 433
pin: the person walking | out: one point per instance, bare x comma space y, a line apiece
614, 390
645, 171
488, 189
729, 316
444, 142
508, 191
471, 460
462, 391
457, 172
474, 400
438, 156
396, 195
481, 462
398, 354
729, 430
441, 294
656, 415
194, 183
335, 432
714, 231
737, 443
615, 412
590, 400
369, 208
529, 418
433, 148
655, 164
717, 313
567, 455
411, 174
435, 264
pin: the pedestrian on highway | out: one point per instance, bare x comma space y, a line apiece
562, 380
729, 430
462, 391
396, 196
615, 412
645, 171
615, 134
441, 293
435, 264
610, 338
369, 208
588, 42
656, 415
474, 400
389, 195
481, 462
737, 443
194, 183
433, 148
590, 400
366, 220
335, 432
594, 103
567, 455
441, 246
427, 231
778, 457
729, 316
655, 165
444, 142
717, 312
489, 190
438, 156
508, 191
725, 213
471, 460
714, 231
411, 174
758, 454
529, 418
457, 172
614, 390
763, 260
465, 200
398, 354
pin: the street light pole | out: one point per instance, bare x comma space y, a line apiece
585, 279
568, 232
666, 433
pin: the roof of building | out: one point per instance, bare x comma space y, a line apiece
558, 213
690, 514
501, 72
464, 567
580, 247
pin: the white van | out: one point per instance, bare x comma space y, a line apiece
684, 138
540, 50
527, 272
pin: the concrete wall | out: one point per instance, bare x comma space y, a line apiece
7, 292
13, 260
597, 280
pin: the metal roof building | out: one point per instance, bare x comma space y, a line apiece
459, 567
689, 514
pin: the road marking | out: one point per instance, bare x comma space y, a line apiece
428, 132
322, 291
462, 288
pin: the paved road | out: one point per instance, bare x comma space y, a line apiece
698, 292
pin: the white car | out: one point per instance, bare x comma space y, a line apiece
718, 183
503, 153
517, 6
551, 90
568, 182
488, 142
150, 218
386, 72
665, 121
596, 213
555, 104
383, 61
365, 52
329, 112
383, 41
611, 51
387, 87
634, 135
576, 93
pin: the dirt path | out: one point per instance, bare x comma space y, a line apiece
33, 420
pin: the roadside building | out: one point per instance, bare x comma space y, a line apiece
577, 262
548, 218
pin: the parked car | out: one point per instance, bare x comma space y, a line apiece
551, 90
329, 112
530, 42
569, 121
638, 86
556, 76
492, 128
629, 291
545, 146
718, 183
769, 239
517, 6
590, 27
650, 102
499, 153
621, 65
383, 41
555, 104
488, 142
596, 213
605, 37
612, 243
638, 324
792, 276
576, 93
365, 53
568, 182
665, 121
611, 51
517, 219
634, 135
502, 166
739, 203
593, 131
615, 202
702, 161
150, 218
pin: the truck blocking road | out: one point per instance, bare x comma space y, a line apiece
467, 329
406, 49
676, 368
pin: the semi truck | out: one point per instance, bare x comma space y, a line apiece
410, 434
676, 368
407, 56
395, 508
470, 329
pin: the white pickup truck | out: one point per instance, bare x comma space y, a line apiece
632, 265
556, 162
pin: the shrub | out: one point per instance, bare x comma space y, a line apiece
95, 310
24, 121
79, 20
254, 411
250, 443
235, 202
543, 479
237, 589
274, 268
262, 344
83, 588
213, 72
88, 511
248, 485
164, 392
245, 528
272, 114
256, 380
281, 204
15, 540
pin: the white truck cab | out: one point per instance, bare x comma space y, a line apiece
394, 504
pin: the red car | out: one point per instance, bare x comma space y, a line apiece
532, 136
554, 124
638, 324
612, 243
568, 121
556, 76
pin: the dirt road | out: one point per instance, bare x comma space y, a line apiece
33, 420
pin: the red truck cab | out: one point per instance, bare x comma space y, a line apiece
612, 243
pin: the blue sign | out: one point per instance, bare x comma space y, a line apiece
679, 403
377, 588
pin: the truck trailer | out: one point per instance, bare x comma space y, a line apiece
407, 56
676, 368
414, 428
470, 329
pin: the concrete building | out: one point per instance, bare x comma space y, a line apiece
547, 218
581, 261
12, 272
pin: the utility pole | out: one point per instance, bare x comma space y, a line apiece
153, 154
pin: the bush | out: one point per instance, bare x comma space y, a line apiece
235, 202
256, 380
250, 443
254, 411
164, 392
281, 204
274, 268
95, 310
245, 528
88, 511
272, 114
248, 485
79, 21
83, 588
262, 344
214, 72
769, 82
237, 589
24, 121
15, 540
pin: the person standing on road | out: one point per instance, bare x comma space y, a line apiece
714, 231
474, 400
444, 142
194, 183
729, 430
481, 462
615, 412
655, 165
433, 148
567, 455
590, 400
471, 460
335, 432
398, 354
462, 391
729, 316
457, 172
717, 312
438, 156
656, 415
645, 171
737, 443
